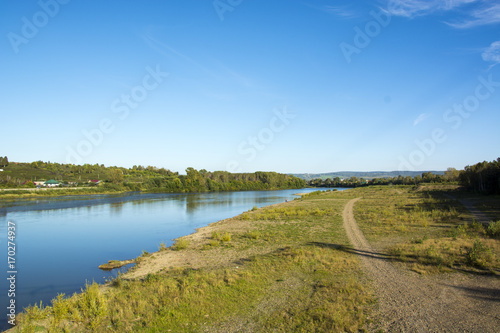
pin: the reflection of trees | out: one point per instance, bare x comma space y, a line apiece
3, 212
198, 201
116, 207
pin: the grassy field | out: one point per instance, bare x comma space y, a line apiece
289, 273
427, 230
283, 268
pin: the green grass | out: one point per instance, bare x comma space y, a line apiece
180, 244
427, 230
293, 274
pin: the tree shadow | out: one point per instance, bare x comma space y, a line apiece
423, 260
480, 293
352, 250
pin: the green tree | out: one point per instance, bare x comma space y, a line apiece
451, 174
4, 161
115, 176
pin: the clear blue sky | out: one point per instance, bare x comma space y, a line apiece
287, 86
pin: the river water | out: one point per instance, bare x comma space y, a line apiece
60, 242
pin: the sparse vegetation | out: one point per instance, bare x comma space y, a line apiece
162, 247
226, 237
180, 244
426, 230
494, 229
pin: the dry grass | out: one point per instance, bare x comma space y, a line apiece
280, 268
427, 230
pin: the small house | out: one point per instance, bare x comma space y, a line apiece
51, 183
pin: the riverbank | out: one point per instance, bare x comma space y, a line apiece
34, 193
292, 267
278, 266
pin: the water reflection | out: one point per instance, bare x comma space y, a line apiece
116, 208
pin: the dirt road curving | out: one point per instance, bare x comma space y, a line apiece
409, 302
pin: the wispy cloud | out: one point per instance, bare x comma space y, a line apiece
340, 11
421, 118
492, 53
344, 12
412, 8
487, 14
472, 12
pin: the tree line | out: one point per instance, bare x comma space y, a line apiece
450, 175
483, 177
144, 178
205, 181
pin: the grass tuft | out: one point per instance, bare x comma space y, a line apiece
180, 244
494, 229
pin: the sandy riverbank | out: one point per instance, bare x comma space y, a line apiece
194, 256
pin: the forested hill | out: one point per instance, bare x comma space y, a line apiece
363, 174
140, 178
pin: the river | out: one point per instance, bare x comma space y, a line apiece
61, 241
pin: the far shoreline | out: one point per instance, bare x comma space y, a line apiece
27, 193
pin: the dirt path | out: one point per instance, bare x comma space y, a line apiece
478, 215
409, 302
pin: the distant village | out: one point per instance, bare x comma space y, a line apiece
55, 183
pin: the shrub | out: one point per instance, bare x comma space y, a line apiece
214, 243
226, 237
479, 254
254, 234
180, 244
59, 309
118, 282
494, 229
150, 278
460, 231
93, 305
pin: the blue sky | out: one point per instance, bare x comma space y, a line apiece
287, 86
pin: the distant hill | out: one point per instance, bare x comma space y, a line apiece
363, 174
